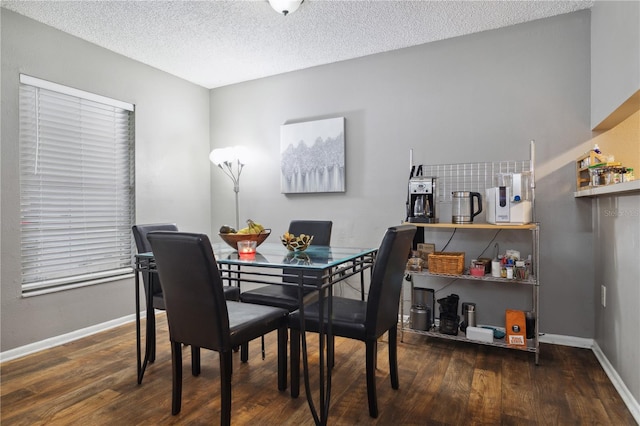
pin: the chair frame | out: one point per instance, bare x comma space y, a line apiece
150, 281
193, 294
380, 314
322, 229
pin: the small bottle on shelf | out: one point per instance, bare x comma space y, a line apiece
628, 175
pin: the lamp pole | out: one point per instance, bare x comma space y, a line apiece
227, 167
236, 189
225, 158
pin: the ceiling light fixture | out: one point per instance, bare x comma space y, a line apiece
285, 7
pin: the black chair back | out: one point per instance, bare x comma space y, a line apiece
320, 229
140, 233
193, 291
386, 279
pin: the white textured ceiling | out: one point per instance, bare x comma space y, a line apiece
217, 43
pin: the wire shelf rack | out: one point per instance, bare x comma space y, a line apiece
476, 177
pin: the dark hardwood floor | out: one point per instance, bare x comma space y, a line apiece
92, 381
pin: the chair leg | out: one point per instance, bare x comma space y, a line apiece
331, 354
151, 337
176, 363
371, 377
282, 357
225, 388
195, 360
393, 357
375, 358
244, 352
294, 345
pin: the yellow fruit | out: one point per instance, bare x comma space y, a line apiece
254, 228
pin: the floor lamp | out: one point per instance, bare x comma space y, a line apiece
231, 161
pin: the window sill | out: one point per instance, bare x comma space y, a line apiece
71, 286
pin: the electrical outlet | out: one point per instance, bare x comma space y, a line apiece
603, 296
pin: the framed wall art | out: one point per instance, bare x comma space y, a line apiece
312, 156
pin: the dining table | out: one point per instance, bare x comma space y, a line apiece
271, 264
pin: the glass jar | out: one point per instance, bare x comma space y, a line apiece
503, 271
617, 175
416, 263
509, 272
596, 176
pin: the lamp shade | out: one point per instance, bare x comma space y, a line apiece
218, 156
229, 154
285, 6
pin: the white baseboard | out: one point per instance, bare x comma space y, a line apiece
558, 339
622, 389
65, 338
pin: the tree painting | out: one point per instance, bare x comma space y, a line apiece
312, 156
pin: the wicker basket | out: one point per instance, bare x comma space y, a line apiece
446, 263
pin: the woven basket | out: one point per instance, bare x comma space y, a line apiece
446, 263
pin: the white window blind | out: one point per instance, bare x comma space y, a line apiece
76, 187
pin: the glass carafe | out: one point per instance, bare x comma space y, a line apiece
418, 207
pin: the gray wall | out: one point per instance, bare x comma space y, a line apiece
471, 99
172, 166
617, 232
615, 57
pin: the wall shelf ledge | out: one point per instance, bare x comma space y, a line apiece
618, 188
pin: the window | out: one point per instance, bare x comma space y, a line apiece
76, 187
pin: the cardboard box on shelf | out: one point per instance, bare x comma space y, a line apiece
516, 328
424, 249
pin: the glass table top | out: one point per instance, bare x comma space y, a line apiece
274, 255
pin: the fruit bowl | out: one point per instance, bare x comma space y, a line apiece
232, 239
293, 243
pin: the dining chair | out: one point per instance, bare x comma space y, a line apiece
198, 314
283, 296
364, 320
152, 282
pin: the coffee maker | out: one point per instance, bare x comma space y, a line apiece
421, 200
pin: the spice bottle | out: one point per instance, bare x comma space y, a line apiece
628, 175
